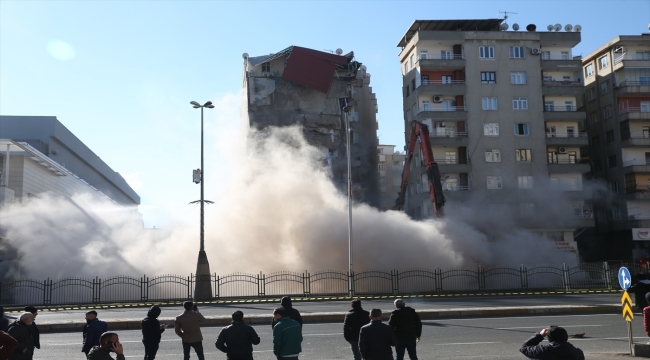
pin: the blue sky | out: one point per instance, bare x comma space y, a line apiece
120, 74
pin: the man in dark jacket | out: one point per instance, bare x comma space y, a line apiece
376, 339
287, 336
19, 330
639, 289
151, 332
7, 345
237, 339
289, 311
557, 348
408, 329
92, 331
109, 342
4, 322
33, 329
354, 320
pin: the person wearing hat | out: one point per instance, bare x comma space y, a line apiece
558, 346
33, 329
93, 331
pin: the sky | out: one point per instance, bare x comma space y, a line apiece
120, 74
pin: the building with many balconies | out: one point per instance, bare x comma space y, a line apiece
390, 166
617, 96
505, 125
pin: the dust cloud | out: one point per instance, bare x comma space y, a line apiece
277, 210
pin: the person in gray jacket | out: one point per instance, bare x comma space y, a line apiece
188, 327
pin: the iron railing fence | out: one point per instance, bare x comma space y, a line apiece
166, 288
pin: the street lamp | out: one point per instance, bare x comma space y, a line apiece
349, 111
203, 285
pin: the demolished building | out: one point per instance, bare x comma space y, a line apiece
310, 88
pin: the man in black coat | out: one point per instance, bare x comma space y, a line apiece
289, 311
376, 339
33, 329
639, 289
19, 330
4, 322
354, 320
557, 348
408, 329
151, 332
237, 339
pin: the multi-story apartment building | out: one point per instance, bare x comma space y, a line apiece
310, 88
390, 166
503, 112
617, 96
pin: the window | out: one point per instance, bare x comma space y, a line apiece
445, 54
425, 106
526, 209
616, 213
413, 61
566, 78
494, 182
380, 151
397, 163
611, 162
493, 155
516, 52
568, 106
613, 187
424, 79
607, 112
488, 77
406, 67
644, 80
603, 62
446, 79
521, 129
609, 137
645, 106
382, 166
520, 103
604, 87
547, 78
589, 70
564, 55
546, 55
525, 182
355, 116
490, 103
518, 77
356, 137
423, 54
643, 55
593, 117
549, 106
413, 85
491, 129
486, 52
450, 157
591, 94
523, 155
266, 67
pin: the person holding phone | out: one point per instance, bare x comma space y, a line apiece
152, 332
558, 346
188, 327
109, 342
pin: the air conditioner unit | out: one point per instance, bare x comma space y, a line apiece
562, 150
535, 51
437, 99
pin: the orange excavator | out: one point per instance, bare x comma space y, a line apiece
421, 131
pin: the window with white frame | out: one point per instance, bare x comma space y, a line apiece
564, 55
494, 182
546, 55
450, 157
493, 155
642, 55
520, 103
645, 106
266, 67
424, 54
603, 62
491, 129
486, 52
604, 87
523, 155
381, 166
445, 54
488, 77
593, 117
525, 182
518, 77
517, 52
589, 70
521, 130
490, 103
591, 94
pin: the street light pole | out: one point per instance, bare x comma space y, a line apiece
350, 108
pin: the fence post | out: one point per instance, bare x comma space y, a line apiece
565, 277
143, 288
481, 278
305, 284
608, 276
351, 283
438, 275
523, 276
99, 291
190, 279
394, 279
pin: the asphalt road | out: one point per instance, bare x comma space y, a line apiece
485, 338
341, 306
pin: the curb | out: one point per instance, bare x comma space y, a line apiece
335, 317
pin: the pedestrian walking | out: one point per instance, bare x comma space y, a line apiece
287, 336
108, 342
408, 329
92, 332
354, 320
639, 289
4, 322
33, 329
151, 332
237, 339
19, 330
188, 327
290, 311
558, 346
7, 345
376, 339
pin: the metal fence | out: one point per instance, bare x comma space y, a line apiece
165, 288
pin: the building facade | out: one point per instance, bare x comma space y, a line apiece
390, 166
617, 101
310, 88
505, 125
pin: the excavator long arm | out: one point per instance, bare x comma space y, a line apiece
421, 131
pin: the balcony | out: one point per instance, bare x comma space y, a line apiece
637, 193
576, 139
450, 166
635, 140
563, 113
632, 113
449, 62
560, 63
627, 60
636, 166
633, 88
448, 138
439, 87
583, 216
568, 166
446, 113
562, 88
456, 192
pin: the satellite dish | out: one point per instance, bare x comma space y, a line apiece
515, 26
577, 28
549, 28
531, 27
557, 27
339, 51
504, 26
568, 27
244, 55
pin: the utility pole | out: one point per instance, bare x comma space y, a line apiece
349, 109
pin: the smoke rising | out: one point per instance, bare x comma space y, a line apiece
276, 210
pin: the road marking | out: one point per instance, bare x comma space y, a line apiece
472, 343
337, 334
517, 317
537, 327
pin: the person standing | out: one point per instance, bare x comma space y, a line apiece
109, 342
33, 329
92, 331
557, 348
287, 336
376, 338
19, 330
4, 322
639, 289
151, 332
354, 320
289, 310
408, 329
188, 327
7, 345
237, 339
